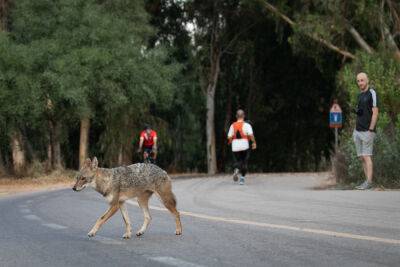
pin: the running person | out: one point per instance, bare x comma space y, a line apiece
239, 135
148, 140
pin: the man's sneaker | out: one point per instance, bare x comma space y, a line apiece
235, 175
364, 186
241, 180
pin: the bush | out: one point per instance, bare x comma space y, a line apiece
383, 71
386, 159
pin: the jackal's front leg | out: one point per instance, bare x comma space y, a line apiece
143, 201
110, 212
125, 216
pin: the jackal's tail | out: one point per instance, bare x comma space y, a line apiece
166, 194
169, 200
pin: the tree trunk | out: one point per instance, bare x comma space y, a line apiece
212, 79
2, 168
30, 152
57, 163
177, 144
210, 120
49, 163
4, 15
210, 126
391, 43
84, 140
120, 155
358, 38
313, 36
18, 153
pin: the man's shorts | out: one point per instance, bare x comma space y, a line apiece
148, 150
364, 142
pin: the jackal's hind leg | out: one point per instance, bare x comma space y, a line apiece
125, 216
110, 212
169, 200
143, 201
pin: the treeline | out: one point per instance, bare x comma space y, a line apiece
81, 78
78, 78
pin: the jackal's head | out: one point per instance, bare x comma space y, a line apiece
86, 174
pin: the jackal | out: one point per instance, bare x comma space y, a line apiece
119, 184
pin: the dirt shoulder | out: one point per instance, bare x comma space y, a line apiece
65, 179
55, 180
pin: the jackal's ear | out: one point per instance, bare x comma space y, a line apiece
87, 163
95, 163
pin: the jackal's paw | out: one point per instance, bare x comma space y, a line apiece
127, 236
178, 232
91, 234
139, 233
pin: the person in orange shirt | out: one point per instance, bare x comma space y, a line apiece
148, 141
239, 135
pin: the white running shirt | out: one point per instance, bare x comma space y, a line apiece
240, 144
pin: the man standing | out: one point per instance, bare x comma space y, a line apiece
239, 135
364, 133
148, 140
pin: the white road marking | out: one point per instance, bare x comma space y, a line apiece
106, 240
25, 210
36, 218
174, 262
22, 206
281, 226
32, 217
54, 226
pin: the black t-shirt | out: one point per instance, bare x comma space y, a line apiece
366, 101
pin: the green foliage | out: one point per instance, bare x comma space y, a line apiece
64, 60
383, 72
386, 157
19, 96
112, 61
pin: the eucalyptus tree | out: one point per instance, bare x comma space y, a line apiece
213, 40
363, 33
183, 142
92, 59
20, 103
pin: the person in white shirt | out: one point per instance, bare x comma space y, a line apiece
239, 135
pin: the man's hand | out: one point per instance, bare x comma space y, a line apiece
253, 145
139, 150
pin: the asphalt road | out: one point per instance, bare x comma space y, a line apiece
273, 220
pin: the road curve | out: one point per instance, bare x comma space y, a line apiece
273, 220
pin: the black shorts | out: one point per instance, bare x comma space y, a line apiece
148, 150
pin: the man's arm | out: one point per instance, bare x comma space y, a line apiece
250, 134
230, 135
374, 119
253, 142
140, 144
155, 143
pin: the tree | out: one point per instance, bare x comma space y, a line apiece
92, 59
212, 41
19, 99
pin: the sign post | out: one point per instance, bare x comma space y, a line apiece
335, 121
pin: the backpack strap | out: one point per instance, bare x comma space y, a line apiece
238, 132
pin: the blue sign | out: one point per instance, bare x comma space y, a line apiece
335, 119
